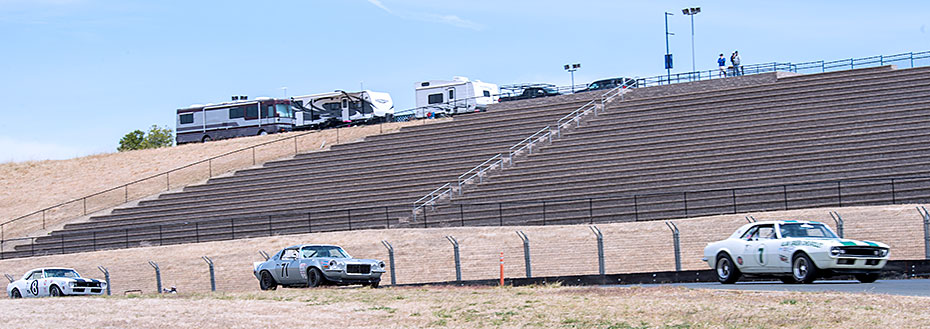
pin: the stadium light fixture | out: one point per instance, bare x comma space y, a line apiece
691, 12
572, 68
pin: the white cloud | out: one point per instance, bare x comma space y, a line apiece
19, 150
430, 17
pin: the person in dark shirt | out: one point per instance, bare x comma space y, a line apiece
722, 64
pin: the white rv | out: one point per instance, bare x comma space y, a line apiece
342, 108
240, 117
460, 95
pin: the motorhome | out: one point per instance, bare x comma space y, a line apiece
340, 108
237, 118
460, 95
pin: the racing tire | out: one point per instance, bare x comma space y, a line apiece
54, 291
727, 273
314, 277
15, 294
803, 270
267, 282
867, 278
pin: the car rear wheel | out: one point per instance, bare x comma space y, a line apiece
267, 282
54, 291
867, 278
314, 277
803, 269
726, 272
16, 294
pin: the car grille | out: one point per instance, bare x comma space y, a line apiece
358, 268
86, 284
862, 251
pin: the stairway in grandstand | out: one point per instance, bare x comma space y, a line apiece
369, 184
765, 147
760, 138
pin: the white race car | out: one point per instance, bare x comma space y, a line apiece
794, 251
42, 282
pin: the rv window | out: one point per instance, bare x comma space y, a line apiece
187, 118
236, 112
268, 111
331, 106
487, 93
284, 110
451, 93
251, 111
435, 98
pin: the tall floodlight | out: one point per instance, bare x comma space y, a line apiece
668, 55
285, 91
572, 68
691, 12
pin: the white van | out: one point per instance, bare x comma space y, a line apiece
460, 95
342, 108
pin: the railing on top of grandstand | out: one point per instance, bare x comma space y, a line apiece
603, 208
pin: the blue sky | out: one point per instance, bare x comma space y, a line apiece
76, 75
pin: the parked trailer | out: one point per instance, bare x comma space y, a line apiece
340, 108
240, 117
460, 95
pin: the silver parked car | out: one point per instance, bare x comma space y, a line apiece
312, 265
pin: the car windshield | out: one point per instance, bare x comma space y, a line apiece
323, 251
806, 230
61, 273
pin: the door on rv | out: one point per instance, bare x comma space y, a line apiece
345, 109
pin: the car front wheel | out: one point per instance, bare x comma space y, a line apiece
726, 271
54, 291
15, 294
267, 282
314, 278
803, 269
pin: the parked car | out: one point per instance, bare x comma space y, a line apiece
794, 252
532, 92
610, 84
312, 265
54, 282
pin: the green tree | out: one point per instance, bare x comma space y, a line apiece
137, 140
132, 141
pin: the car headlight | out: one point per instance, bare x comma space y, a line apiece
836, 251
71, 284
381, 264
883, 253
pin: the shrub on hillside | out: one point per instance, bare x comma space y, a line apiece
138, 140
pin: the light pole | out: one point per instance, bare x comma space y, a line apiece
285, 91
691, 12
668, 55
572, 68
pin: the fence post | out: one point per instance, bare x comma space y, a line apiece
526, 253
676, 240
349, 217
157, 275
838, 221
458, 262
926, 216
500, 213
390, 250
212, 275
106, 277
600, 249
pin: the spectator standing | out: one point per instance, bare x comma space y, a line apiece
737, 69
722, 64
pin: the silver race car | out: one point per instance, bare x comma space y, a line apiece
54, 282
312, 265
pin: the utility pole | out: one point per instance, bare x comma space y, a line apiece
691, 12
668, 55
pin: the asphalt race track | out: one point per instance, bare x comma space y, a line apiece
913, 287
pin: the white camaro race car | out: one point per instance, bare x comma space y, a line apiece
794, 252
42, 282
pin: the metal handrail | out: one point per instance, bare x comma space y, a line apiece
575, 116
432, 198
527, 142
478, 171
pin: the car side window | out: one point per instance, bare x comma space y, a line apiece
750, 234
35, 275
289, 254
766, 232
